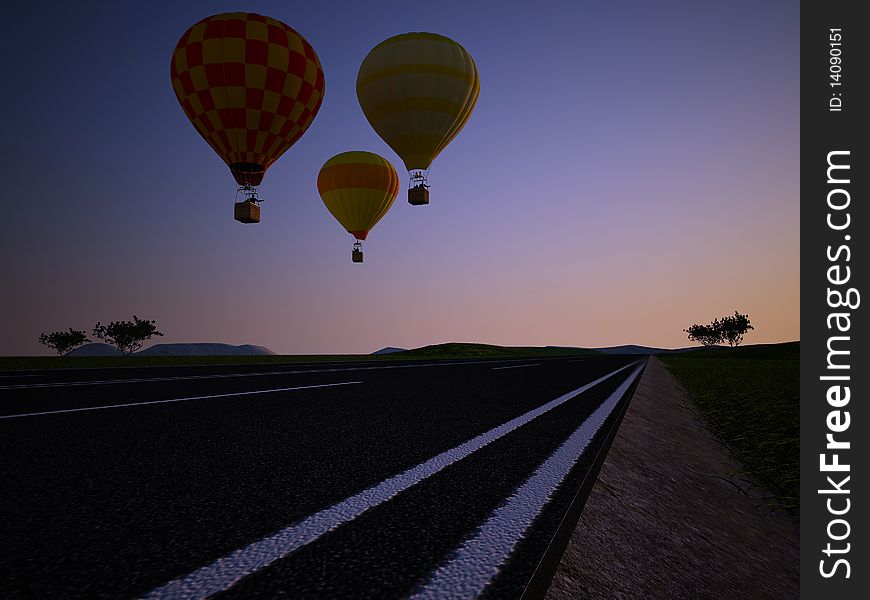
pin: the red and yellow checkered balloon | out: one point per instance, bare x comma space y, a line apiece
251, 86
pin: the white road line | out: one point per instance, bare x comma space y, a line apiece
475, 564
72, 410
229, 570
225, 375
516, 366
25, 375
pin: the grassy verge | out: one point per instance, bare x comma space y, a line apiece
750, 399
440, 351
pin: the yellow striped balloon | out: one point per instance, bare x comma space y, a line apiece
358, 188
418, 90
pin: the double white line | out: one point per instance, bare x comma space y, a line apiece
229, 570
473, 566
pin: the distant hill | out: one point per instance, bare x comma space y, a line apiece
94, 349
746, 351
389, 350
459, 350
634, 349
98, 349
464, 350
204, 350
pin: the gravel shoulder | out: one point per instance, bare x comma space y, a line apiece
667, 520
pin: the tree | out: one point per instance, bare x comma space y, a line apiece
63, 341
733, 328
730, 329
127, 336
706, 334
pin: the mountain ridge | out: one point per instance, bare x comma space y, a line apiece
184, 349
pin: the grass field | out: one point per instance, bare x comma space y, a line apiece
439, 351
750, 398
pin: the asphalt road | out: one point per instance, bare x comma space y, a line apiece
435, 479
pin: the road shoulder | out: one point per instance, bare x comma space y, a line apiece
664, 519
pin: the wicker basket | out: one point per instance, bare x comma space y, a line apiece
357, 255
418, 195
247, 212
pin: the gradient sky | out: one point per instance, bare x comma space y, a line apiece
631, 168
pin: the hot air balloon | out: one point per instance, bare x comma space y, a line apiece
251, 86
358, 188
417, 90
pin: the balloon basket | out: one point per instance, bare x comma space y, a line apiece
247, 212
418, 195
356, 255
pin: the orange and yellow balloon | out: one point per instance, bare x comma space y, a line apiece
417, 91
358, 188
250, 84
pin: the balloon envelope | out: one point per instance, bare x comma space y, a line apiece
358, 188
417, 90
250, 85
